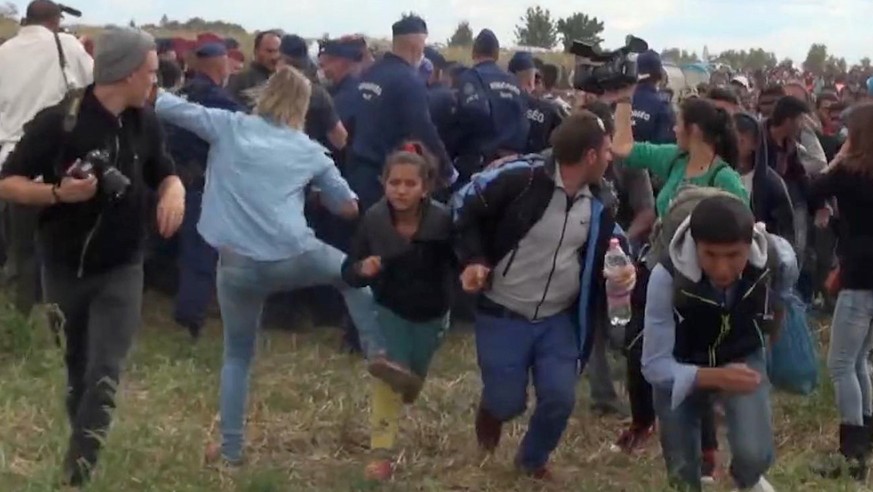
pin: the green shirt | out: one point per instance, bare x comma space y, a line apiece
668, 164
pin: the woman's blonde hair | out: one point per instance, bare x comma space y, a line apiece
284, 99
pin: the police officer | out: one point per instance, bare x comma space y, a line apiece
338, 61
653, 118
322, 121
543, 116
443, 101
491, 110
197, 259
394, 105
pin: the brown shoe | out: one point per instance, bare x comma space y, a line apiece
488, 430
399, 378
410, 397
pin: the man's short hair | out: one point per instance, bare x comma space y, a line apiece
259, 37
722, 219
576, 135
551, 73
788, 108
723, 94
603, 111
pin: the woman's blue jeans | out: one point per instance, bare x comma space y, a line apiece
243, 287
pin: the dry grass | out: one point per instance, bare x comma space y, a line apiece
307, 428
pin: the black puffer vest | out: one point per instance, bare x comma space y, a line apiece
712, 334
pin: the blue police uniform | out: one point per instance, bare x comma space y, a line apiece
653, 118
197, 259
491, 114
393, 108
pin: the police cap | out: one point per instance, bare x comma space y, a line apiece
521, 61
211, 50
347, 49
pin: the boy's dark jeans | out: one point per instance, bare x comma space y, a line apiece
750, 432
102, 314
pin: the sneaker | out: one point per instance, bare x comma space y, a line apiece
379, 470
632, 439
399, 378
212, 456
709, 468
488, 430
762, 486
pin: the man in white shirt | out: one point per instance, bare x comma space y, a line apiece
34, 76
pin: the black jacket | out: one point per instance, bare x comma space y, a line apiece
417, 276
771, 202
854, 193
499, 207
100, 234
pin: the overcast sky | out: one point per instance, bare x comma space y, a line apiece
787, 27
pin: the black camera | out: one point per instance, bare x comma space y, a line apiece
598, 72
113, 183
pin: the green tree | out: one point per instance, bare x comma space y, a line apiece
164, 20
9, 11
679, 56
132, 23
836, 65
816, 59
463, 35
758, 59
580, 27
865, 63
537, 28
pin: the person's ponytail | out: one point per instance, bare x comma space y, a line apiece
726, 142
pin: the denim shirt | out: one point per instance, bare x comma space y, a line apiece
257, 175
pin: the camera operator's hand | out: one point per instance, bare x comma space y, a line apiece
75, 190
619, 95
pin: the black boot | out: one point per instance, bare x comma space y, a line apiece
852, 459
868, 424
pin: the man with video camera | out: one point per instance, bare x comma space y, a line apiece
97, 153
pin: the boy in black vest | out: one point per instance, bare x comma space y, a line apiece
708, 310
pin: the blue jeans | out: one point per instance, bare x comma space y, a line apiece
750, 432
851, 341
509, 352
243, 286
197, 260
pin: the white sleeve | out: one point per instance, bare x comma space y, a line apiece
80, 65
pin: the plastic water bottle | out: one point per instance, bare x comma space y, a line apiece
618, 299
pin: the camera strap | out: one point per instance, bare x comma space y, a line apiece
62, 61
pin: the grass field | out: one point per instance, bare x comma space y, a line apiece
307, 428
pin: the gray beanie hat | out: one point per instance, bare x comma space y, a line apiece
119, 52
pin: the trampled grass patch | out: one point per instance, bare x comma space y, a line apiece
308, 424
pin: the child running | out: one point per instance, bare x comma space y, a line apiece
403, 251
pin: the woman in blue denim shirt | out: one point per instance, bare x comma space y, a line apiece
257, 174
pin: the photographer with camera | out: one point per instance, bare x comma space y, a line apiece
40, 65
97, 153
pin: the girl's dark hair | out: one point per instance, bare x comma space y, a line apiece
747, 124
723, 94
416, 154
860, 124
716, 126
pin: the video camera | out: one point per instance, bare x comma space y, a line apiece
598, 72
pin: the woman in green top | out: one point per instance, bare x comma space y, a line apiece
705, 149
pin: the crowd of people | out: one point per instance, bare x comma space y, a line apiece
411, 189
